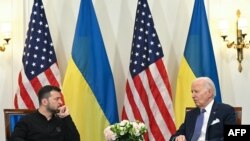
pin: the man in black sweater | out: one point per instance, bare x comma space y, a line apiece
50, 122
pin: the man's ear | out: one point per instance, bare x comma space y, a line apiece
44, 101
211, 92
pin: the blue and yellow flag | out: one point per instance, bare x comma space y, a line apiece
88, 86
198, 61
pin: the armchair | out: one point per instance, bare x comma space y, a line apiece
11, 117
238, 112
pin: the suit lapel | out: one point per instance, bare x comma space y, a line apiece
192, 120
212, 114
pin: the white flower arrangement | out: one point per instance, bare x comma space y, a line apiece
125, 131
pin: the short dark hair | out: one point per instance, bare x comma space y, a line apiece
44, 92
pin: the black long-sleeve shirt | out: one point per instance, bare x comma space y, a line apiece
35, 127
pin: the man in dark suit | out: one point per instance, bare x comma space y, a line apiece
215, 115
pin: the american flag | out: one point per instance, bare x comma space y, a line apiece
148, 93
39, 60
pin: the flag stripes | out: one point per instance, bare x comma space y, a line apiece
26, 97
138, 111
39, 61
148, 93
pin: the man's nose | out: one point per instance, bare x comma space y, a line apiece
193, 94
60, 102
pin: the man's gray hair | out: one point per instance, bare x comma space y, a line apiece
208, 83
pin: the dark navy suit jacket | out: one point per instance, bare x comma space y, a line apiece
220, 114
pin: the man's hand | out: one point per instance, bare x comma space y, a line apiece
64, 111
180, 138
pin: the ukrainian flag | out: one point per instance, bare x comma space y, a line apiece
88, 86
198, 60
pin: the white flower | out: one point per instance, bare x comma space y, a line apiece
125, 130
124, 122
109, 134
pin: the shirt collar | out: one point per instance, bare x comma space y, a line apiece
209, 106
43, 117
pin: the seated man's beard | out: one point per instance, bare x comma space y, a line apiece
53, 111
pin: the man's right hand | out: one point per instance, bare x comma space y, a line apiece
180, 138
64, 111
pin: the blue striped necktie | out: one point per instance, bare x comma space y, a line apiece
198, 125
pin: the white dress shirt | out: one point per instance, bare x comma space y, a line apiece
204, 125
